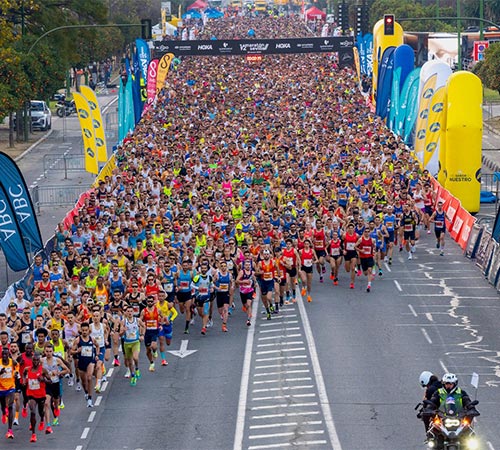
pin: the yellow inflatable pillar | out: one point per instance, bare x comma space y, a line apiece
380, 43
464, 131
441, 176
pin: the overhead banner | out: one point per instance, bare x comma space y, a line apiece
14, 185
11, 239
100, 135
163, 68
255, 46
87, 127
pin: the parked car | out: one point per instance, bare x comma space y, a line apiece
41, 117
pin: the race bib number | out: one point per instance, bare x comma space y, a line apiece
99, 340
169, 287
308, 262
366, 250
184, 285
26, 338
87, 351
350, 246
203, 290
7, 373
224, 287
268, 276
408, 227
34, 385
131, 335
335, 251
288, 261
151, 324
54, 378
439, 224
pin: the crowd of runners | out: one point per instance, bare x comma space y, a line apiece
244, 182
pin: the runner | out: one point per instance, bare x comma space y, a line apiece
203, 285
307, 260
365, 246
8, 369
267, 274
151, 318
246, 281
438, 218
133, 331
35, 377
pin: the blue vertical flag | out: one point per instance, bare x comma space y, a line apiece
368, 38
129, 107
411, 111
14, 185
121, 111
391, 121
384, 82
143, 57
136, 88
11, 239
404, 57
402, 111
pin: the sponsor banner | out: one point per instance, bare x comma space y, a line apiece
473, 242
404, 99
254, 58
106, 171
11, 239
451, 206
163, 68
143, 56
411, 112
404, 57
384, 82
151, 84
255, 46
481, 249
434, 125
100, 135
488, 255
494, 264
369, 53
394, 99
13, 182
423, 113
89, 144
467, 225
357, 64
361, 46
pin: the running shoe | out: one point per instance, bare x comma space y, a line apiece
57, 412
33, 438
24, 412
323, 269
358, 273
98, 386
61, 405
71, 381
55, 422
268, 316
152, 367
390, 261
9, 434
441, 253
332, 276
244, 308
203, 331
400, 248
321, 278
281, 302
248, 322
155, 354
138, 374
78, 386
351, 286
5, 415
410, 256
210, 323
303, 291
294, 300
309, 299
186, 331
49, 430
15, 422
288, 302
335, 281
89, 403
133, 381
41, 426
127, 373
437, 245
380, 272
224, 328
164, 362
116, 362
230, 310
368, 288
428, 231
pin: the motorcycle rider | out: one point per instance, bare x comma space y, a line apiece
450, 388
431, 384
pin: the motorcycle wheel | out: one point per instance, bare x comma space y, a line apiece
60, 112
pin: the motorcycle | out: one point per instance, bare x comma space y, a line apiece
66, 108
451, 430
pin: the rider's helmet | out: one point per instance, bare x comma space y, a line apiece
449, 378
425, 378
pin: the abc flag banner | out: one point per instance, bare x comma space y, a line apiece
402, 110
14, 185
368, 43
143, 56
163, 67
384, 86
151, 84
423, 113
434, 123
89, 144
394, 106
100, 137
11, 240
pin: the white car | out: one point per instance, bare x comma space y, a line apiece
41, 117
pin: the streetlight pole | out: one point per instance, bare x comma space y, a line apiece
459, 35
481, 16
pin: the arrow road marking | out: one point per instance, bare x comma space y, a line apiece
183, 351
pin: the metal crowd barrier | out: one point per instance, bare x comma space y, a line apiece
54, 196
66, 163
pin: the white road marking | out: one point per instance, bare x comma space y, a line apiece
285, 424
85, 433
323, 396
280, 330
281, 357
284, 350
79, 447
265, 374
110, 372
426, 336
91, 416
274, 435
104, 386
271, 366
245, 379
303, 413
98, 401
281, 336
281, 397
413, 310
286, 444
284, 388
441, 363
286, 379
284, 405
272, 324
398, 286
387, 267
429, 317
490, 445
274, 344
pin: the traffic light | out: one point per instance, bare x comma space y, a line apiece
389, 24
146, 31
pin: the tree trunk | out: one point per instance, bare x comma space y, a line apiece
11, 130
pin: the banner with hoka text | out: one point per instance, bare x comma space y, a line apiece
100, 135
14, 185
89, 144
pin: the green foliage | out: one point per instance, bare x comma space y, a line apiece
489, 69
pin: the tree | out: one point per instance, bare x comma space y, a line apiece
489, 69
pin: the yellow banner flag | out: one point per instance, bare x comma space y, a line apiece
106, 171
163, 67
434, 124
423, 112
85, 116
100, 136
357, 64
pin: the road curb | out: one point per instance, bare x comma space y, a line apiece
29, 149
